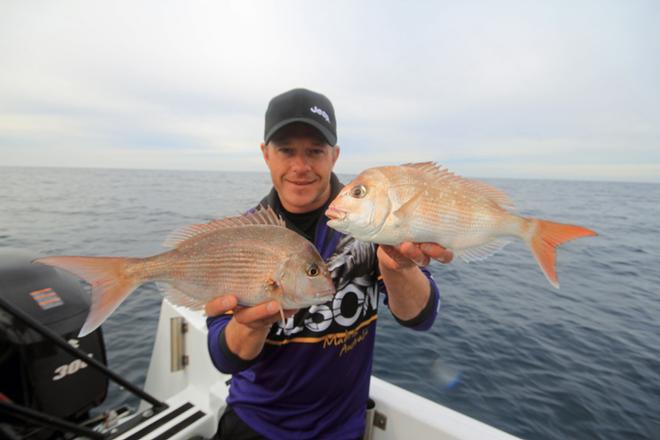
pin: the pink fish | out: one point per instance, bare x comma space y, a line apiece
422, 202
254, 257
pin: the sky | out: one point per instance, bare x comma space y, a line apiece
520, 89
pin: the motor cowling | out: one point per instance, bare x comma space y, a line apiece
33, 371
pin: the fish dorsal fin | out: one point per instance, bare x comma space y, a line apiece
431, 169
260, 216
435, 171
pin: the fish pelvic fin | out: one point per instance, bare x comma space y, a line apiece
478, 253
546, 237
178, 297
110, 281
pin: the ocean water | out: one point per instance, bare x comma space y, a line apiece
582, 362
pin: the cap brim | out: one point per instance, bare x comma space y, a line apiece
329, 137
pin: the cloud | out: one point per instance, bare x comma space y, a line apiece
568, 90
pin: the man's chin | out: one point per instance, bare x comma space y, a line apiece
299, 205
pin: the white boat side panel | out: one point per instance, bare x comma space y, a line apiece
408, 415
412, 416
199, 382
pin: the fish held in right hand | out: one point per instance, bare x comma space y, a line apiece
423, 202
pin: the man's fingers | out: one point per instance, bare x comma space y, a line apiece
393, 258
260, 312
260, 315
413, 252
222, 304
407, 253
437, 252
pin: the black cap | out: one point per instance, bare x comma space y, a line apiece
301, 105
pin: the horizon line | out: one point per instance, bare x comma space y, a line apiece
559, 179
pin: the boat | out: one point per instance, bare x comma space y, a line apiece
51, 394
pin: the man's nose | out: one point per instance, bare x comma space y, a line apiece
300, 163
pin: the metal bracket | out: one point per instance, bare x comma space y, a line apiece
380, 420
178, 357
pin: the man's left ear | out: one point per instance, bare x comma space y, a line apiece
335, 154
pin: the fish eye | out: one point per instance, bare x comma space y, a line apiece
313, 270
358, 191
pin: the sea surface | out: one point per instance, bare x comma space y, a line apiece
582, 362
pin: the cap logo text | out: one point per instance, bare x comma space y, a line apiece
318, 111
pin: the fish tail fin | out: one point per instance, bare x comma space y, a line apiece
545, 238
110, 281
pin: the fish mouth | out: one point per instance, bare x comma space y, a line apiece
334, 213
326, 294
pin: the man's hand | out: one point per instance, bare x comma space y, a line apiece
408, 289
247, 330
221, 304
407, 254
255, 317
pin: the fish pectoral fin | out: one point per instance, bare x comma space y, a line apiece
273, 286
179, 298
276, 291
408, 208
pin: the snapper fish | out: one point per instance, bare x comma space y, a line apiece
253, 256
422, 202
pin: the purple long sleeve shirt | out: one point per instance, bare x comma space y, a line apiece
311, 380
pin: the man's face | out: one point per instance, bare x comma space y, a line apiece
300, 162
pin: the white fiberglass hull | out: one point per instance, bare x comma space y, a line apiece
196, 393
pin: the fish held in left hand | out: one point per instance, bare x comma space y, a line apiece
423, 202
253, 257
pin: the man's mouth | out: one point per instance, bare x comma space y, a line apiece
301, 182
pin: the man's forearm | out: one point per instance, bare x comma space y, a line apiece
408, 291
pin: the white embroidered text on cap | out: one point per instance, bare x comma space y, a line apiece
318, 111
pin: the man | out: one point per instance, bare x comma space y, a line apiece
309, 378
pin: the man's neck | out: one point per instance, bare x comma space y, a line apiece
323, 200
303, 222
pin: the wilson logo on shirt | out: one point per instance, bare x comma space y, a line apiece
343, 321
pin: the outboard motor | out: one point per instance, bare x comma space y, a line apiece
34, 372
